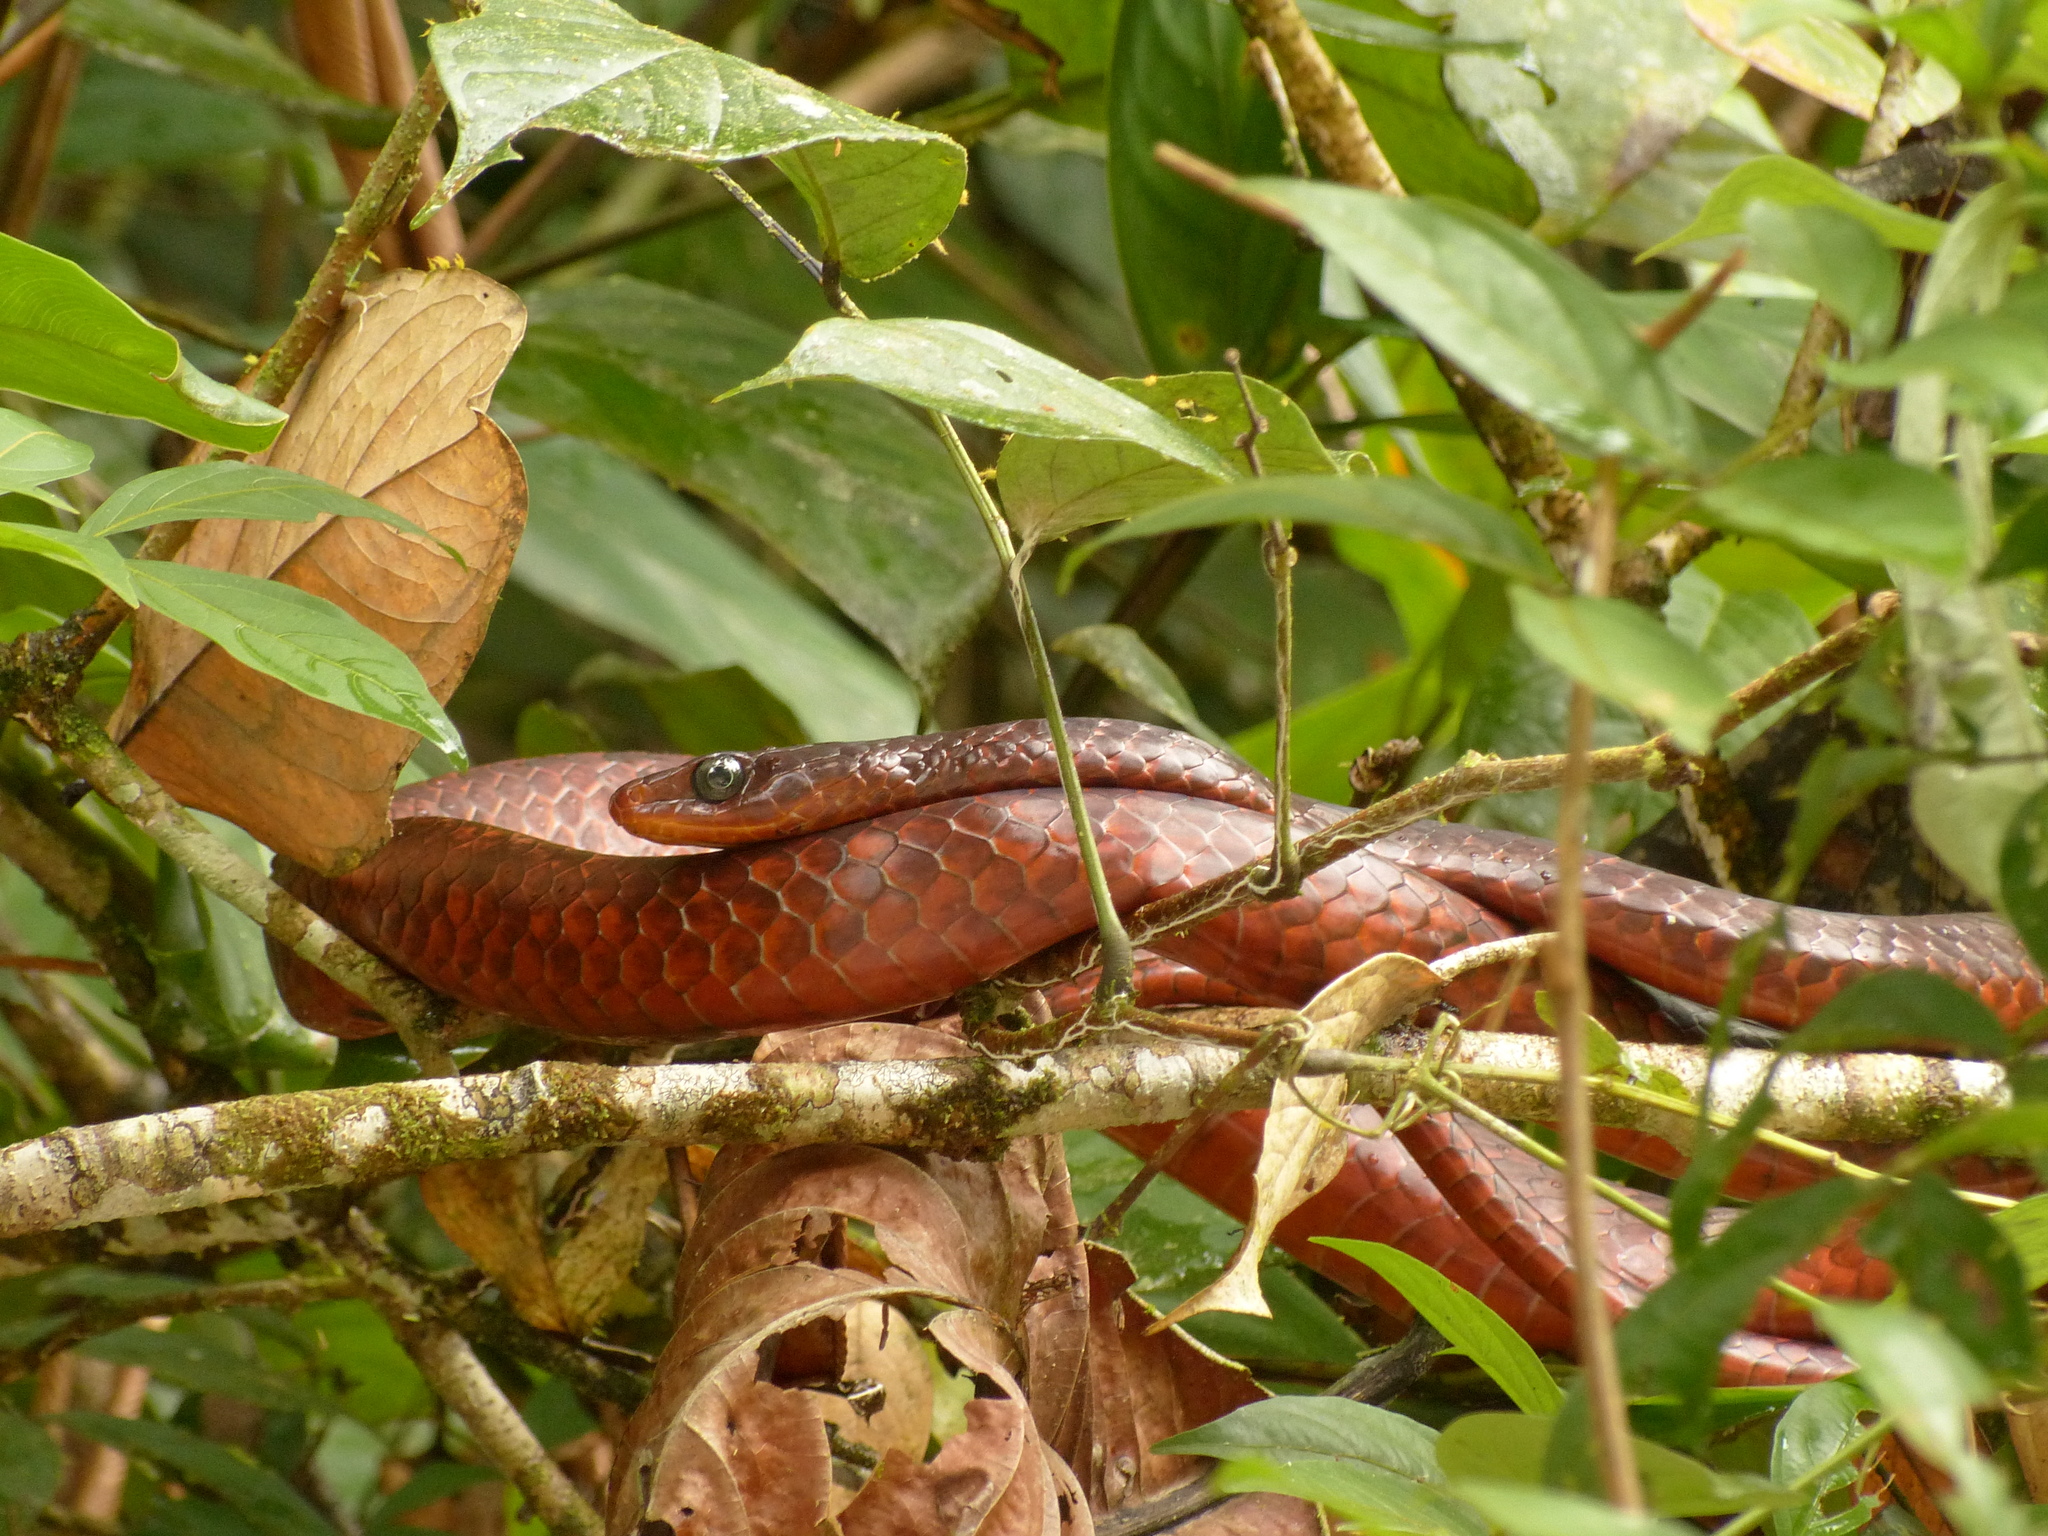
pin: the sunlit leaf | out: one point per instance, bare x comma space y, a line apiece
1283, 1429
1357, 1491
81, 551
1908, 1363
2026, 1227
226, 488
32, 455
1510, 1447
1854, 506
1521, 1510
1412, 509
299, 639
1839, 257
1623, 654
1519, 317
64, 337
982, 376
1471, 1326
880, 189
1821, 1421
1796, 183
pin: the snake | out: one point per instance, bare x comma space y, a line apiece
650, 897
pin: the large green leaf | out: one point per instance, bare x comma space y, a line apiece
1672, 1342
31, 455
1626, 656
982, 376
1512, 1447
299, 639
606, 542
1202, 274
252, 1490
177, 39
1523, 320
1851, 506
1470, 1325
1597, 94
1052, 486
1325, 1428
1960, 1266
1121, 655
1733, 359
2026, 1228
81, 551
228, 488
881, 190
1795, 183
35, 1466
1915, 1371
65, 338
850, 489
1520, 1510
1820, 1423
1741, 635
1409, 508
1838, 256
1367, 1497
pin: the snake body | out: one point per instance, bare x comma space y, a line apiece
630, 897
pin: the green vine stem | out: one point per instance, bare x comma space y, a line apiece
1114, 991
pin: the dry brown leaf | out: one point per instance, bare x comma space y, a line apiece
1302, 1150
597, 1243
988, 1480
490, 1210
1254, 1514
882, 1359
394, 413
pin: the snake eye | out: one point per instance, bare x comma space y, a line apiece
719, 776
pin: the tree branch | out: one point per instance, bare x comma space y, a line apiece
183, 1159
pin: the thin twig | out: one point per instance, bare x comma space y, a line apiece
1261, 59
105, 1316
1668, 328
1104, 1227
52, 963
1277, 553
35, 132
1564, 964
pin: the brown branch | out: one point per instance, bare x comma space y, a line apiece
28, 48
1668, 328
1323, 105
34, 133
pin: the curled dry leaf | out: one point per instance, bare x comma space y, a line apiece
601, 1227
798, 1285
1303, 1149
394, 413
490, 1211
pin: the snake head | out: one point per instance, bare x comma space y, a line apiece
703, 800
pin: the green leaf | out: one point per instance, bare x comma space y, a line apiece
1470, 1325
1903, 1010
65, 338
1672, 1342
1571, 108
111, 1284
1741, 635
1733, 359
197, 1364
226, 488
1852, 506
855, 493
1914, 1370
82, 552
1836, 780
717, 709
545, 728
1625, 655
1521, 1510
1202, 274
2019, 1130
1794, 183
982, 376
1820, 1423
1837, 256
1122, 656
35, 1466
299, 639
1284, 1429
1410, 508
32, 455
253, 1491
176, 39
605, 542
881, 190
1368, 1497
1515, 314
2026, 1227
1512, 1447
1958, 1265
2025, 545
1052, 486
